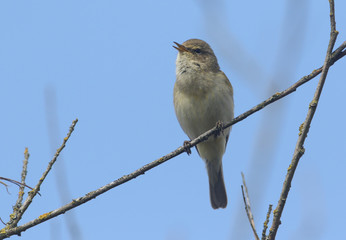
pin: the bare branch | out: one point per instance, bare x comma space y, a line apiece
265, 224
19, 202
33, 193
249, 214
304, 128
24, 172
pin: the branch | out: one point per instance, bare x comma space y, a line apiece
265, 224
24, 173
33, 192
304, 128
337, 54
248, 207
19, 202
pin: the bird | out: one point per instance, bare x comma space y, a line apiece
203, 97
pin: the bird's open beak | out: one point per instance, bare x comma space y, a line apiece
180, 47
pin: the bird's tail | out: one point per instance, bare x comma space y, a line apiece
217, 190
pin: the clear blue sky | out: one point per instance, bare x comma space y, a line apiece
111, 65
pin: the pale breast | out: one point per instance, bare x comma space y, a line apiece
200, 103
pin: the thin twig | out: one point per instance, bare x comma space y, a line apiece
23, 175
19, 202
337, 54
33, 193
249, 214
265, 224
6, 186
304, 129
19, 184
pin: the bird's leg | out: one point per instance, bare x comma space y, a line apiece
187, 147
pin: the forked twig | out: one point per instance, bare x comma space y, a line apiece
34, 191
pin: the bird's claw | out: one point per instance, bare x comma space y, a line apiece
219, 126
187, 147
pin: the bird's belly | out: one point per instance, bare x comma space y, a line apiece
197, 114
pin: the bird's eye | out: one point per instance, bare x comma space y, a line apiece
197, 50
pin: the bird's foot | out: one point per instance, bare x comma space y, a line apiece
219, 126
187, 147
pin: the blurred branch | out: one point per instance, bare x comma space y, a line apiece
249, 214
60, 172
232, 48
7, 232
304, 128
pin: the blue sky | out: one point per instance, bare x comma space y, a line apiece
111, 65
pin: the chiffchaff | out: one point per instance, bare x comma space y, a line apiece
203, 96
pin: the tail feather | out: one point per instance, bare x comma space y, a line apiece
217, 190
